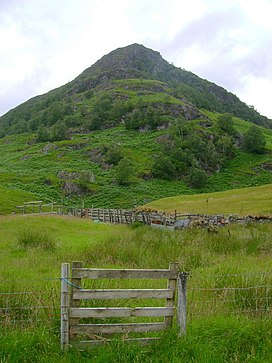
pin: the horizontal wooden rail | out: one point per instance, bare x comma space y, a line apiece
91, 343
116, 328
123, 274
120, 312
124, 294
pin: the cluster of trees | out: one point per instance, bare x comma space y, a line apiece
192, 154
254, 140
57, 132
135, 114
188, 153
145, 117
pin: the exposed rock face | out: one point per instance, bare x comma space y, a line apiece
97, 156
266, 166
65, 175
70, 187
48, 148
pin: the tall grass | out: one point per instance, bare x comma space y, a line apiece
28, 238
234, 257
210, 340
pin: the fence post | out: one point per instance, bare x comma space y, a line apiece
64, 329
173, 266
182, 302
76, 282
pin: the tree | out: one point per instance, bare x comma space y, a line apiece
113, 155
164, 168
86, 177
59, 131
124, 172
197, 178
254, 140
134, 120
225, 122
43, 134
178, 127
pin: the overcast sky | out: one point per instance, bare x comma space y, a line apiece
47, 43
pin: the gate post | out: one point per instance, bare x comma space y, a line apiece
182, 302
64, 325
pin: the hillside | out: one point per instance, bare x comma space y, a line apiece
131, 129
253, 200
105, 94
80, 170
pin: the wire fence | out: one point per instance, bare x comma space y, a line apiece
230, 294
28, 303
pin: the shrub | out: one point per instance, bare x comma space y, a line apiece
124, 172
254, 140
27, 238
197, 178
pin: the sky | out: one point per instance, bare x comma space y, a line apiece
47, 43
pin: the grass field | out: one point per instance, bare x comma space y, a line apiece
235, 256
253, 200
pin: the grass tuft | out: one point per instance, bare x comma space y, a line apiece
27, 238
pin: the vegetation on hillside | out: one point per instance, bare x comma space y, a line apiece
130, 129
134, 85
119, 167
122, 168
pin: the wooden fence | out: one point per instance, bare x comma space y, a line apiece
154, 218
73, 294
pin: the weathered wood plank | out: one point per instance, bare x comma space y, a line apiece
74, 302
116, 328
64, 325
92, 273
170, 302
182, 302
120, 312
101, 341
123, 294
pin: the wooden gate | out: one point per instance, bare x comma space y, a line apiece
79, 321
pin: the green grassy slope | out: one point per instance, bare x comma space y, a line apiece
42, 169
254, 200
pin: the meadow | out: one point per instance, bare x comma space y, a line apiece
252, 200
235, 329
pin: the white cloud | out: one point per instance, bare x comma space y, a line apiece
252, 96
46, 43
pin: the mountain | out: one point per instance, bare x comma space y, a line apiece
131, 129
123, 80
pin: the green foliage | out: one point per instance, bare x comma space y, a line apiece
36, 167
164, 168
254, 140
113, 155
197, 178
57, 132
124, 172
191, 153
226, 124
86, 177
43, 134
